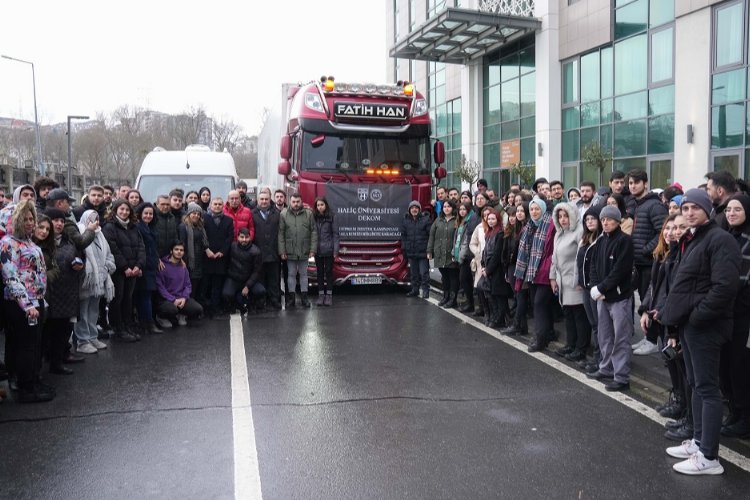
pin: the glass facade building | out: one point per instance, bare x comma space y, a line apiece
662, 85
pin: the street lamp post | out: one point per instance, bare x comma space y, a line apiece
70, 164
40, 163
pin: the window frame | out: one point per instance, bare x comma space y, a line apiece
714, 30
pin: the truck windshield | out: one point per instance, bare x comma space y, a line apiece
152, 186
355, 154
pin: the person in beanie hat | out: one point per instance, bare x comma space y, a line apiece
415, 233
700, 304
611, 270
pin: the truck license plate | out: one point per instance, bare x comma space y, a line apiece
367, 280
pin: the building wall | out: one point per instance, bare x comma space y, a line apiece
683, 7
584, 25
693, 92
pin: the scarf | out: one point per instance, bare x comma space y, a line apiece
191, 244
531, 248
123, 222
94, 284
459, 236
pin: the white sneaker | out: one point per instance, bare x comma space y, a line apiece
181, 320
87, 348
698, 465
639, 343
646, 348
99, 344
685, 450
164, 323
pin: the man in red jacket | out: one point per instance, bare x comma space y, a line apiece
240, 214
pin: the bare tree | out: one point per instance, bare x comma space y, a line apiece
91, 152
226, 134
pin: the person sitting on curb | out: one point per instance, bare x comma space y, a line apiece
173, 283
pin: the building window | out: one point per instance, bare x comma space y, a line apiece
396, 21
509, 90
728, 34
626, 90
434, 6
412, 14
730, 92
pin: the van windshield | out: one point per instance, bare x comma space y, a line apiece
152, 186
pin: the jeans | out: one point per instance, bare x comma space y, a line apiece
419, 268
121, 307
702, 351
324, 271
144, 306
297, 266
191, 309
270, 281
232, 291
85, 329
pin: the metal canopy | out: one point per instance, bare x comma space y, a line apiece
459, 36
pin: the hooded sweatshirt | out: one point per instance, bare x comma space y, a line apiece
7, 213
173, 282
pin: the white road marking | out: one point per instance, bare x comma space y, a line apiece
725, 453
246, 469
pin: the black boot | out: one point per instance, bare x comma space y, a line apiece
289, 304
413, 292
451, 301
446, 298
304, 301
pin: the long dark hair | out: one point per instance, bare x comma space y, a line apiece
588, 237
116, 204
48, 244
620, 199
327, 214
469, 210
453, 205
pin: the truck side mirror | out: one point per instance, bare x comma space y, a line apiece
285, 148
439, 153
440, 173
285, 168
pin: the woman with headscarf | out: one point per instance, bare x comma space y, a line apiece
735, 355
97, 283
25, 278
532, 269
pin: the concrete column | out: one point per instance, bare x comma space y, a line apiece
472, 113
692, 96
548, 92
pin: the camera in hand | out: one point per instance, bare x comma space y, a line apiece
669, 353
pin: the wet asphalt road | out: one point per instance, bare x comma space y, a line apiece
377, 397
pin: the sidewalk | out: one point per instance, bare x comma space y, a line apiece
649, 379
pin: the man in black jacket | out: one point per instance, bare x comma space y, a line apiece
242, 284
266, 222
700, 304
94, 201
164, 226
721, 186
649, 217
220, 233
415, 233
611, 271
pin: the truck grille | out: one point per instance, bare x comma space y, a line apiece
368, 257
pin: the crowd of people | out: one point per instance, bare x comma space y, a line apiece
584, 255
120, 267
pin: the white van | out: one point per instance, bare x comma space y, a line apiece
189, 170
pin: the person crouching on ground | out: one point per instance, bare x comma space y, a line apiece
243, 274
173, 283
611, 271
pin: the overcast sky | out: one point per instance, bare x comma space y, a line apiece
230, 56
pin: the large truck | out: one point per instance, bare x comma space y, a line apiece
367, 149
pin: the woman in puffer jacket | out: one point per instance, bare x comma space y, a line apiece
97, 283
327, 251
130, 258
562, 274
